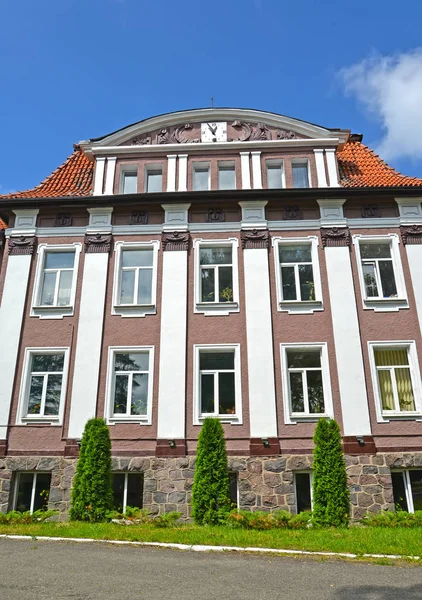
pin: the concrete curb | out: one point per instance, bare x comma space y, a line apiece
201, 548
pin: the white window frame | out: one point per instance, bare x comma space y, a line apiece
290, 417
22, 418
148, 169
126, 475
34, 485
298, 306
134, 310
383, 304
276, 162
305, 472
415, 376
198, 166
112, 419
301, 161
407, 486
216, 308
124, 170
54, 312
227, 164
198, 418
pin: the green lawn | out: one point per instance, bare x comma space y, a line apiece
356, 540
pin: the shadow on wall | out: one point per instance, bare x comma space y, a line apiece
379, 592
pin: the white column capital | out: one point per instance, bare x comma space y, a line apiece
176, 217
253, 214
332, 212
410, 209
25, 221
99, 219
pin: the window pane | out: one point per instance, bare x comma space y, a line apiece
154, 181
52, 398
48, 287
306, 278
386, 389
388, 281
375, 250
226, 178
233, 489
399, 493
216, 256
127, 287
300, 176
303, 492
207, 393
288, 283
274, 177
296, 392
404, 389
35, 394
300, 359
207, 285
52, 363
145, 286
213, 361
295, 253
227, 400
135, 361
118, 483
120, 394
130, 183
315, 392
139, 394
65, 287
59, 260
135, 489
416, 482
24, 493
225, 284
201, 179
369, 279
137, 258
389, 357
42, 491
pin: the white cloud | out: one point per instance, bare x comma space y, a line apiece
390, 87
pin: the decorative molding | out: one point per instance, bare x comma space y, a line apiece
335, 236
176, 136
138, 218
22, 245
283, 134
411, 234
251, 132
255, 238
292, 213
63, 220
98, 242
215, 215
370, 211
141, 141
178, 240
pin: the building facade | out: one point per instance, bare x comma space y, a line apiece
213, 262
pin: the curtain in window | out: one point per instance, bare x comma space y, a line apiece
386, 389
395, 357
404, 389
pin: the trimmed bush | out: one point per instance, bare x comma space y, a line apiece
92, 494
400, 518
330, 494
211, 489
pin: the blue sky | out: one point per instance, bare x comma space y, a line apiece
74, 69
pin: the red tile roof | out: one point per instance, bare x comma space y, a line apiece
2, 225
359, 167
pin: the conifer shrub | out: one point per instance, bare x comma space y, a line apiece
211, 489
92, 493
330, 492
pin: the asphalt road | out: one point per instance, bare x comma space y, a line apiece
36, 570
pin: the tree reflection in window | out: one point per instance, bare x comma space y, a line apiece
45, 385
131, 373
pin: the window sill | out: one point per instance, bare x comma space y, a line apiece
138, 419
385, 304
300, 418
224, 419
134, 310
304, 307
52, 312
216, 308
400, 416
40, 421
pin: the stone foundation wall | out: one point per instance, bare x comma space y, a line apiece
265, 483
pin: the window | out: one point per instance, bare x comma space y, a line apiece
129, 182
128, 490
396, 378
300, 174
201, 177
306, 382
407, 489
303, 489
234, 496
217, 388
275, 175
130, 384
31, 491
154, 179
216, 281
297, 274
226, 176
135, 278
43, 386
380, 272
